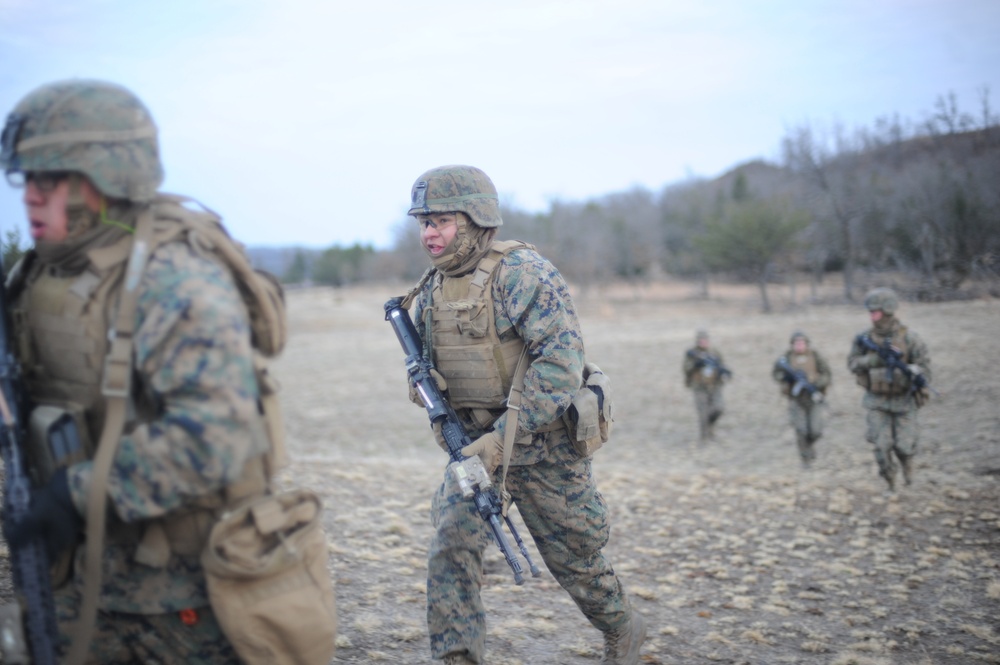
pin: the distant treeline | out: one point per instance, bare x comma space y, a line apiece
920, 199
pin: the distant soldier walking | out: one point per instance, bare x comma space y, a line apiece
893, 365
704, 374
804, 376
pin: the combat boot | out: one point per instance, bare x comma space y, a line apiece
457, 659
621, 647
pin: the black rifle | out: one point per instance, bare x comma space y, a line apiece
893, 359
469, 471
708, 360
798, 381
29, 563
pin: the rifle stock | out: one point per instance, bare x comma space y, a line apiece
29, 563
469, 472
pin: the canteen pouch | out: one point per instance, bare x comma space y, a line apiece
268, 584
589, 417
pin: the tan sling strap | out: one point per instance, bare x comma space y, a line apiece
510, 424
412, 293
115, 387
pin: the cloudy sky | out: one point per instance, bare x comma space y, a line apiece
305, 122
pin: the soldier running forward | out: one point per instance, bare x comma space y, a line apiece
893, 365
704, 374
129, 325
804, 376
482, 306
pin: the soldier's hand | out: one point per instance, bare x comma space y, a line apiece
439, 380
51, 517
439, 436
914, 369
489, 447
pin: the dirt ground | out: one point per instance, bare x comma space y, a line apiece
733, 553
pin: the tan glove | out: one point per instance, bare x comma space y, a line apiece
489, 447
438, 436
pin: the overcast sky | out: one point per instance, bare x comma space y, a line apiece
306, 122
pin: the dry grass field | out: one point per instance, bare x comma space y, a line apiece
733, 553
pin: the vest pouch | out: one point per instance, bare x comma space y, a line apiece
898, 385
472, 316
589, 417
58, 437
266, 571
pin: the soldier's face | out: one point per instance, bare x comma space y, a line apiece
876, 315
437, 231
45, 204
46, 210
799, 345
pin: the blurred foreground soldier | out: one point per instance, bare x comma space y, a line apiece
804, 377
704, 374
892, 364
485, 309
136, 344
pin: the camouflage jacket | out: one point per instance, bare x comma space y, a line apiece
821, 377
193, 369
532, 301
861, 362
697, 375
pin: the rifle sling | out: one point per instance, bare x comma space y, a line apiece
510, 424
115, 387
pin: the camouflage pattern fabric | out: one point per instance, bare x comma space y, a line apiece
92, 127
709, 404
163, 639
706, 386
568, 519
533, 301
807, 421
457, 188
892, 423
550, 482
894, 436
805, 415
193, 359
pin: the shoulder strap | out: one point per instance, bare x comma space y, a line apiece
510, 423
115, 388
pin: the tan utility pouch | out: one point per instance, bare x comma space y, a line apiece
589, 417
265, 565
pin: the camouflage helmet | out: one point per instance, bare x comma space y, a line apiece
95, 128
798, 334
457, 189
882, 299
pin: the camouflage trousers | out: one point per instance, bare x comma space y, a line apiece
709, 404
152, 639
806, 418
893, 433
568, 519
